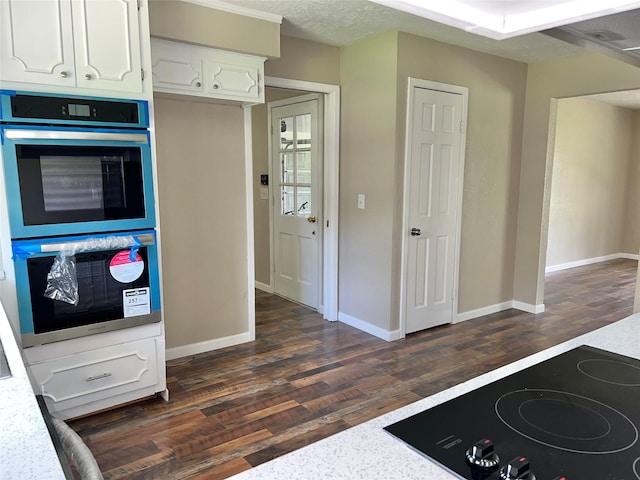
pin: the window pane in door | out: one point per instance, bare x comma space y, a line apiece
286, 133
287, 195
303, 167
303, 201
303, 131
287, 167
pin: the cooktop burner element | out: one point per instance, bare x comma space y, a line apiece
574, 416
608, 371
566, 421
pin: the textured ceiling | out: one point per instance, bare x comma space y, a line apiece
343, 22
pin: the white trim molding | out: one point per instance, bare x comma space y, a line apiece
237, 9
263, 287
589, 261
499, 307
354, 322
209, 345
528, 307
251, 274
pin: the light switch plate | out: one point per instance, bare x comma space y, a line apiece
264, 193
361, 201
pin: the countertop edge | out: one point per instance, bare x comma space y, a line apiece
27, 451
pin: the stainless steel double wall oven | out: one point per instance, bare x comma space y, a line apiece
79, 189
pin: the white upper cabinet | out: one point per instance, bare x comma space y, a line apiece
181, 68
233, 79
71, 43
175, 67
107, 44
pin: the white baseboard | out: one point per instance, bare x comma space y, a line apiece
499, 307
481, 312
263, 286
589, 261
389, 336
528, 307
201, 347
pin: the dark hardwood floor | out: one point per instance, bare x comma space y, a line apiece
304, 379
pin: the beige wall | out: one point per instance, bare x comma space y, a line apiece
492, 165
216, 131
631, 238
572, 76
374, 87
505, 202
202, 204
305, 60
591, 164
186, 22
368, 166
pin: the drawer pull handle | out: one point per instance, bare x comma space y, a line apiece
98, 377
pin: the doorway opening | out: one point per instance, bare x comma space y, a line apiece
266, 181
594, 185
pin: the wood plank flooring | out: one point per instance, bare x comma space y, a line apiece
304, 379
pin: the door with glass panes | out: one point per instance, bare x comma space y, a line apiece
296, 141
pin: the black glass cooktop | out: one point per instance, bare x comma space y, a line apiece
574, 416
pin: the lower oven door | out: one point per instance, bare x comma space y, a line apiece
116, 278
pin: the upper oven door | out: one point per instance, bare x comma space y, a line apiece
63, 181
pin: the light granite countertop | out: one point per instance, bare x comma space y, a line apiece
26, 449
368, 452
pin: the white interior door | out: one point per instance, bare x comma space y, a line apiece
296, 142
433, 207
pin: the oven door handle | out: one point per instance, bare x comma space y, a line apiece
26, 249
87, 245
20, 134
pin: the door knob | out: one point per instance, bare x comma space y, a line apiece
416, 232
311, 219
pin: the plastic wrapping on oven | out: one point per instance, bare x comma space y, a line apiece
62, 281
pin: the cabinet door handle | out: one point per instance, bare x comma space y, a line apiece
198, 84
87, 76
216, 86
64, 74
97, 377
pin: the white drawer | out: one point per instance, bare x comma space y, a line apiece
92, 376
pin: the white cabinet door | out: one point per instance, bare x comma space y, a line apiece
107, 45
72, 43
36, 42
233, 81
174, 68
206, 72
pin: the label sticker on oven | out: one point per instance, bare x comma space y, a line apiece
136, 301
123, 269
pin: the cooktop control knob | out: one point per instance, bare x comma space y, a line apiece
481, 455
517, 469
